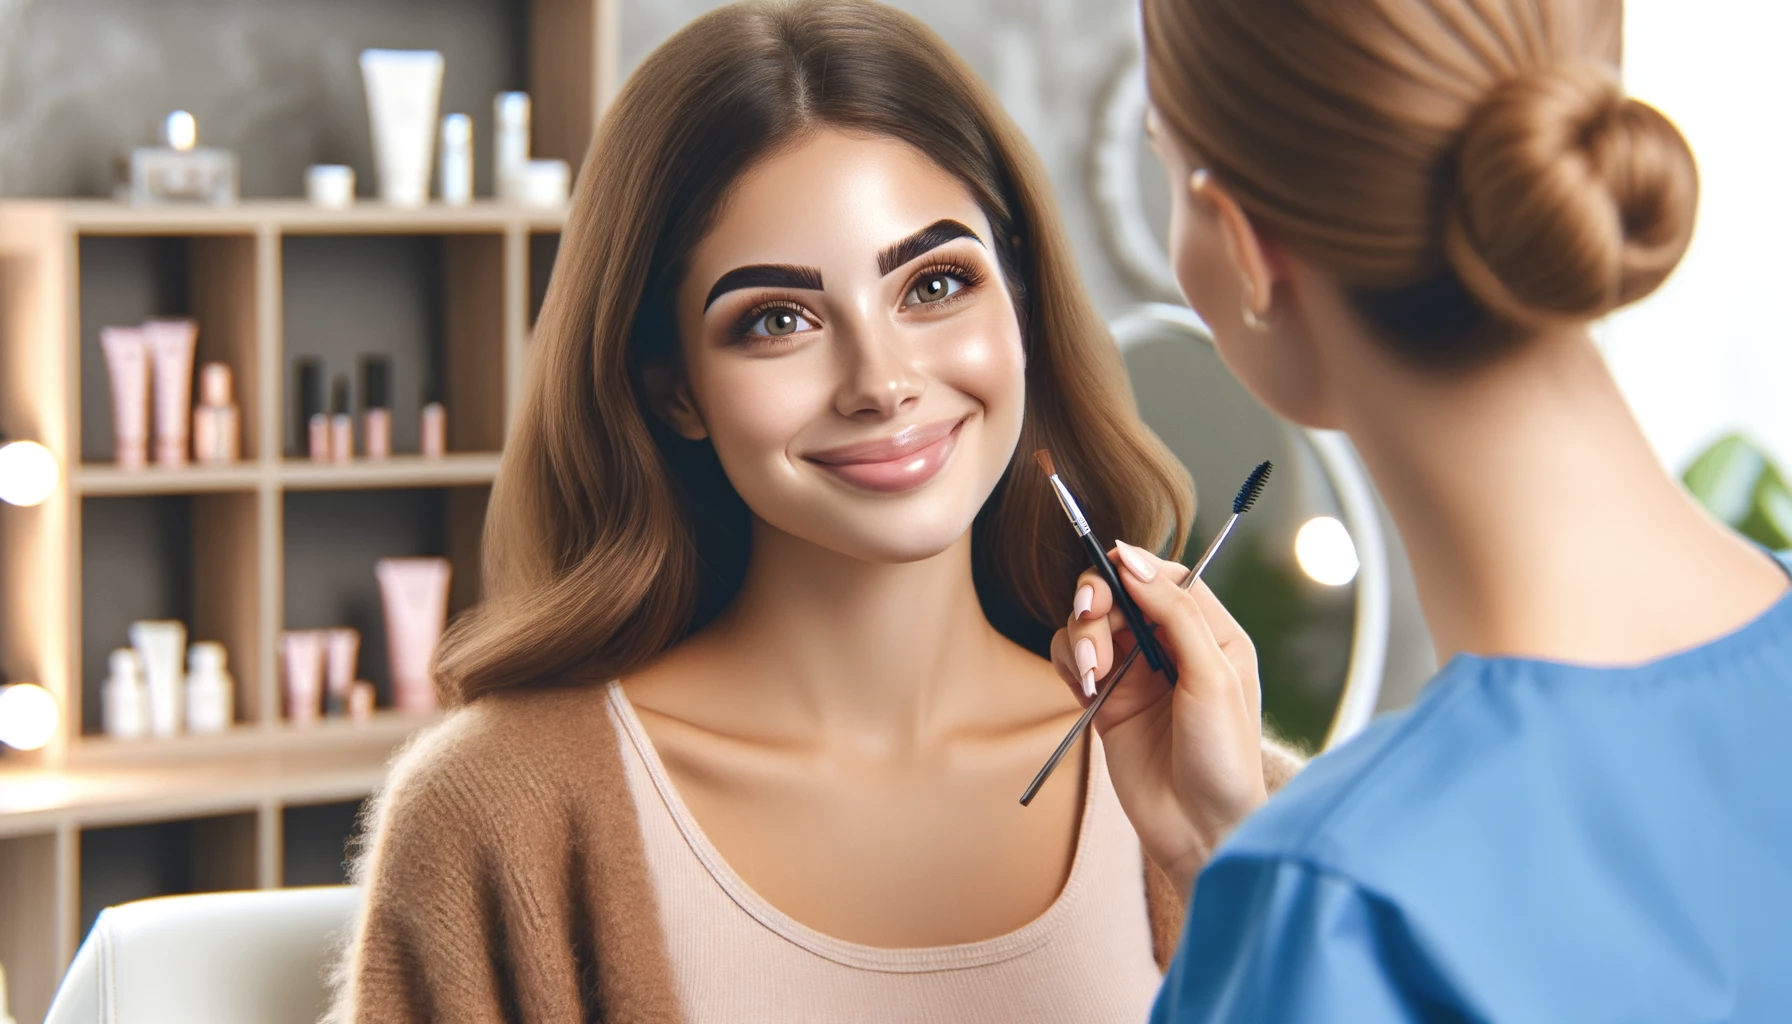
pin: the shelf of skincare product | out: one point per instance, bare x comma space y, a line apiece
147, 693
150, 369
318, 674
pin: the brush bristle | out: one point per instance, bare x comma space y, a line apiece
1044, 457
1253, 486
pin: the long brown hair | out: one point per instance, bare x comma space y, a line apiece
1470, 168
609, 538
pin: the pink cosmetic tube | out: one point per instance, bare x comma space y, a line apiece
170, 344
127, 362
342, 648
303, 653
415, 593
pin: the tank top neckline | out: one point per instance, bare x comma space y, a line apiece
1026, 938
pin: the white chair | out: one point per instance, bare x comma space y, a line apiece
230, 957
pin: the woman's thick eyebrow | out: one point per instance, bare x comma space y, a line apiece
925, 240
764, 275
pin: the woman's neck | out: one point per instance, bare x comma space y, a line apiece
886, 655
1538, 520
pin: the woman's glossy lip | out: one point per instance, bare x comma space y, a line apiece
887, 449
909, 459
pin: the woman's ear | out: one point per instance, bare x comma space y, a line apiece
1246, 247
669, 396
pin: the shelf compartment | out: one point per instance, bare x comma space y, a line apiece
433, 305
194, 558
316, 841
165, 858
127, 280
334, 538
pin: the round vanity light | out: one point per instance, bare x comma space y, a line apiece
28, 473
28, 716
1325, 552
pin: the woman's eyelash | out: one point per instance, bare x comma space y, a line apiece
971, 276
744, 324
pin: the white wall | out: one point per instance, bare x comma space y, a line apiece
1712, 351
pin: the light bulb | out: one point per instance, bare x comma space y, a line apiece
28, 716
1325, 552
28, 473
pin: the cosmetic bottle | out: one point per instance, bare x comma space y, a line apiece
457, 160
215, 418
180, 170
376, 406
360, 702
161, 645
544, 183
432, 431
342, 425
127, 363
314, 424
510, 137
124, 699
209, 689
302, 657
330, 185
342, 649
170, 344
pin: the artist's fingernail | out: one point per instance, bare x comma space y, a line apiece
1089, 683
1085, 600
1085, 655
1136, 562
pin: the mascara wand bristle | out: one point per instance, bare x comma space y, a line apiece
1253, 486
1044, 457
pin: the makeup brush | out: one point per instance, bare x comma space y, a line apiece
1247, 496
1098, 554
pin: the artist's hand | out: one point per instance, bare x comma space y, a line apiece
1186, 760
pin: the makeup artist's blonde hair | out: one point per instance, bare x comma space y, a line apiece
1471, 169
609, 538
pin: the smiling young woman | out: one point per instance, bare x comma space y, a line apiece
771, 581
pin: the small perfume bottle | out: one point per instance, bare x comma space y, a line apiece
457, 160
215, 438
376, 406
314, 422
342, 425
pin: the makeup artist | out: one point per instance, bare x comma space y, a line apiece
1399, 218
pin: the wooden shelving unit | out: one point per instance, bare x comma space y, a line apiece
243, 552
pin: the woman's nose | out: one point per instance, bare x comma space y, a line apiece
879, 378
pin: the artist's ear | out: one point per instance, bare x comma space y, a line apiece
669, 396
1251, 254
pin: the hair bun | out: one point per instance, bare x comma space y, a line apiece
1571, 199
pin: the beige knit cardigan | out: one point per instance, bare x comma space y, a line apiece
504, 876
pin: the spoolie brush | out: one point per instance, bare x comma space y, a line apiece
1247, 496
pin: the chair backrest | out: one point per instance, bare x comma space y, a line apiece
241, 957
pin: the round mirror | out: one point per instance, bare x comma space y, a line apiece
1305, 572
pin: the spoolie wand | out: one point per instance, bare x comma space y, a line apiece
1247, 496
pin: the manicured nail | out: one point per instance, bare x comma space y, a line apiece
1085, 655
1085, 600
1089, 684
1136, 562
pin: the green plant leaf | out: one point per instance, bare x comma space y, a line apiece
1725, 478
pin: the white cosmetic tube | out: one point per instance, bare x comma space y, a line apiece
170, 344
415, 594
303, 652
162, 646
404, 89
127, 362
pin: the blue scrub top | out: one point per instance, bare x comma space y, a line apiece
1528, 842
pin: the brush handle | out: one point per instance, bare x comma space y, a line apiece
1088, 715
1144, 639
